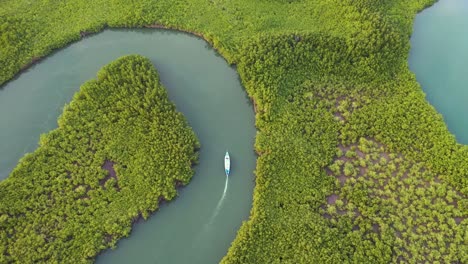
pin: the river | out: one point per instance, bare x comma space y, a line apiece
439, 58
199, 225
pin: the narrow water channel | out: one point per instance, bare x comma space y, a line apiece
200, 224
439, 58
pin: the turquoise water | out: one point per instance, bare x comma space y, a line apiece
200, 224
439, 58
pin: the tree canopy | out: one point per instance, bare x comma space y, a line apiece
119, 150
354, 165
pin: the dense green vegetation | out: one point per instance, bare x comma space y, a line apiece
315, 93
120, 149
375, 186
31, 30
325, 76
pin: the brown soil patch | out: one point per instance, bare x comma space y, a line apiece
161, 200
32, 62
137, 219
332, 199
360, 154
402, 173
339, 116
108, 238
179, 184
376, 228
327, 216
342, 179
109, 167
84, 34
362, 171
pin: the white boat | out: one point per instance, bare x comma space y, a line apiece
227, 163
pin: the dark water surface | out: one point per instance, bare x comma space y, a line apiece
200, 224
439, 58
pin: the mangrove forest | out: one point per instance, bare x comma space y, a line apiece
120, 149
353, 166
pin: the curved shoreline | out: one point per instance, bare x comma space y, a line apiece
429, 150
84, 34
217, 75
84, 185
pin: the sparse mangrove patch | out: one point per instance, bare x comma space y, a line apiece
354, 165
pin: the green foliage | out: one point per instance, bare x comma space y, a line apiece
322, 74
31, 30
368, 91
119, 150
428, 218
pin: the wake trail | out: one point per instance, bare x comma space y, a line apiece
218, 207
220, 203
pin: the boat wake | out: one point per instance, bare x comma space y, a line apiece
218, 207
213, 216
220, 203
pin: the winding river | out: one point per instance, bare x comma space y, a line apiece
200, 224
439, 58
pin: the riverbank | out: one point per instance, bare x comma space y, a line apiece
179, 57
352, 50
439, 67
91, 161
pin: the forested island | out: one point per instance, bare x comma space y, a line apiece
120, 150
354, 165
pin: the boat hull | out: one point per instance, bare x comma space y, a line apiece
227, 164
